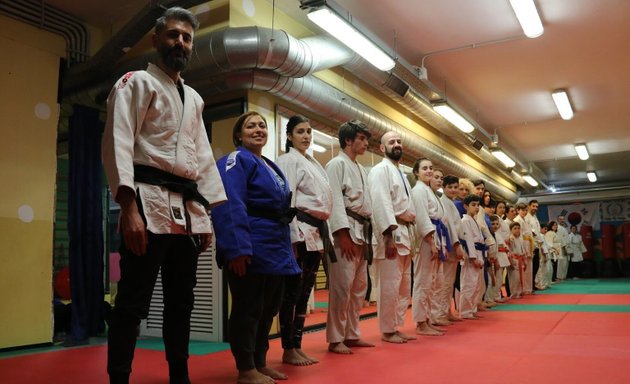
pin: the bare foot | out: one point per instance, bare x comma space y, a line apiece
454, 318
252, 376
357, 343
272, 373
291, 356
424, 329
393, 338
339, 348
406, 336
442, 322
307, 357
435, 327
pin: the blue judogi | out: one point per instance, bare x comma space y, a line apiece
249, 183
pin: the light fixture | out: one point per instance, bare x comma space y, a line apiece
453, 116
350, 36
561, 99
317, 148
592, 176
582, 152
503, 157
530, 180
528, 17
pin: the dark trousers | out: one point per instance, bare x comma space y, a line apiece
297, 291
535, 266
554, 275
177, 256
255, 301
575, 269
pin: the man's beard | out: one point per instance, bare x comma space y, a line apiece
395, 154
175, 62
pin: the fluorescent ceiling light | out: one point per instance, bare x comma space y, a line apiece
561, 99
453, 116
530, 180
317, 148
505, 159
355, 40
528, 17
582, 152
592, 176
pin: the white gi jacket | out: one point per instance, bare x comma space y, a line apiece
472, 234
428, 208
526, 235
392, 205
502, 246
348, 181
563, 237
311, 194
148, 124
451, 219
533, 222
575, 247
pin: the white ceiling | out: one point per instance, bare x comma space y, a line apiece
506, 87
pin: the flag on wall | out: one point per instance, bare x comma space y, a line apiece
615, 210
577, 214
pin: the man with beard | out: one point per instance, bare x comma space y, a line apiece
393, 217
539, 239
161, 171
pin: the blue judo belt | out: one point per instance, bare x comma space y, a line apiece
442, 231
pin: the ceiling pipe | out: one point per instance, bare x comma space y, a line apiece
51, 19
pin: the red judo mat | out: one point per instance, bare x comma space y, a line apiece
502, 347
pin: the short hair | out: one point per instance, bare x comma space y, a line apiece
520, 206
514, 224
502, 202
238, 126
478, 182
494, 218
293, 121
438, 170
350, 129
471, 198
532, 202
450, 179
177, 13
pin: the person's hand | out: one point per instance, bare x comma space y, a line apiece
132, 228
435, 253
390, 247
459, 253
239, 265
348, 250
204, 241
479, 263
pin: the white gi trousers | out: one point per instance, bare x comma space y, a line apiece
394, 283
528, 275
443, 288
424, 271
515, 280
563, 268
493, 292
346, 291
472, 288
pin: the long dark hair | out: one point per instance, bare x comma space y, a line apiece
293, 121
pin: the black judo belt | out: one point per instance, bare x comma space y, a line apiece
322, 226
367, 233
154, 176
284, 216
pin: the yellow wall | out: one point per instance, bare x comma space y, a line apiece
28, 121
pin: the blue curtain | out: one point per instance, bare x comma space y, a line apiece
85, 225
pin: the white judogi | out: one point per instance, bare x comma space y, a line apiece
348, 278
393, 207
441, 305
563, 260
425, 270
528, 238
575, 247
472, 284
493, 292
518, 252
148, 124
311, 194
